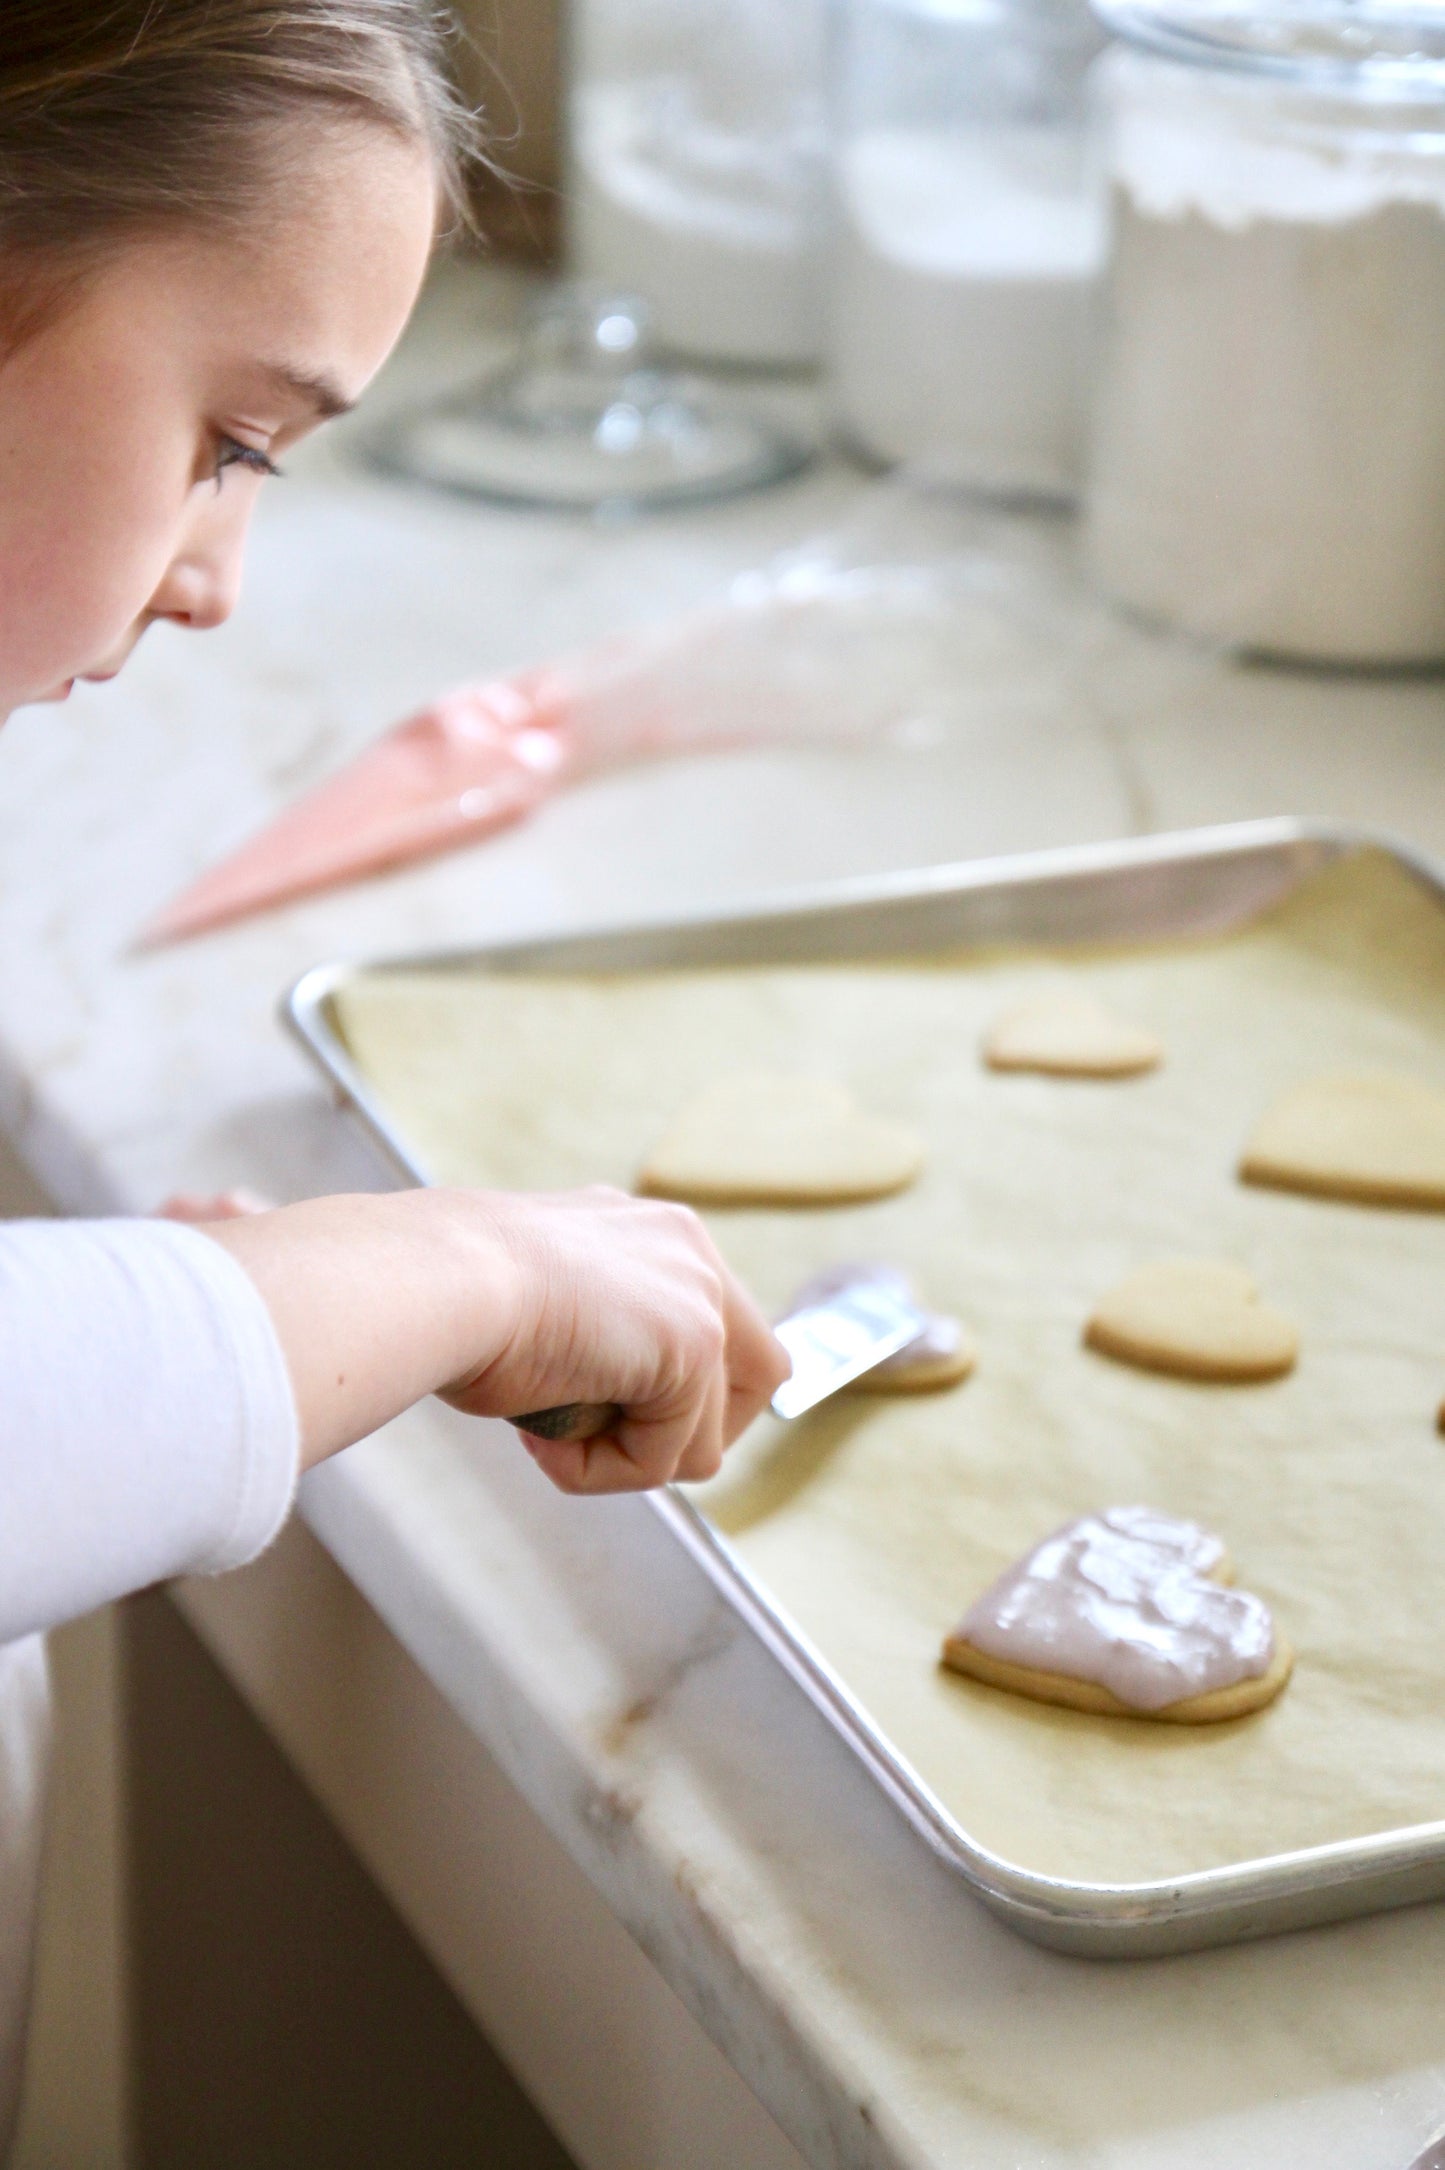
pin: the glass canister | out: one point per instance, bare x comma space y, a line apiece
1267, 456
697, 169
967, 238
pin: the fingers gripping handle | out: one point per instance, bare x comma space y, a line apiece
572, 1420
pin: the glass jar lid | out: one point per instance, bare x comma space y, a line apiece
1383, 49
584, 418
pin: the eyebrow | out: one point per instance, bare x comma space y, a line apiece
320, 392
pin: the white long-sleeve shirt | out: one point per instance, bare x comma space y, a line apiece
147, 1429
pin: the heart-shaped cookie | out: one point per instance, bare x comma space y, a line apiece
1197, 1318
1068, 1033
944, 1354
763, 1139
1125, 1614
1373, 1139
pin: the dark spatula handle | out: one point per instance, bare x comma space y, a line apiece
572, 1420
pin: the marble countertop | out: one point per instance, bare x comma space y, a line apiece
879, 2013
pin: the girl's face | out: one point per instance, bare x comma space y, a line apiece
137, 425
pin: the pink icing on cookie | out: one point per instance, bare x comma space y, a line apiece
1123, 1599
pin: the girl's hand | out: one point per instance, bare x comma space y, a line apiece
506, 1302
626, 1300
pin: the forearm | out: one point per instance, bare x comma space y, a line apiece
377, 1302
508, 1301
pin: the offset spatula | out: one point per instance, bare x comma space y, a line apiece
832, 1343
840, 1337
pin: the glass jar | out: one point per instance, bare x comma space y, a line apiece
696, 169
1267, 455
967, 238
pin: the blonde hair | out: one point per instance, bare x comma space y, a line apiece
119, 117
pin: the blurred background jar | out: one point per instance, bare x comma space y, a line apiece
967, 238
1267, 464
697, 169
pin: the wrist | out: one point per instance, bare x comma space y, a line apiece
378, 1300
474, 1267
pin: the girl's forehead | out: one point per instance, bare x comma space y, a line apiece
285, 322
317, 286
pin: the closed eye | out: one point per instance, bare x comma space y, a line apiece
232, 453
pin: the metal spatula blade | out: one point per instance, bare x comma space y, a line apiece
836, 1341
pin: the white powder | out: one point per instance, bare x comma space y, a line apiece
719, 230
1268, 459
964, 270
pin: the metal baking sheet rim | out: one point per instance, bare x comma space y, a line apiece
1215, 877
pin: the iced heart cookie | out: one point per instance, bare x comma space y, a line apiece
1374, 1139
761, 1139
1127, 1613
1197, 1318
1069, 1034
945, 1353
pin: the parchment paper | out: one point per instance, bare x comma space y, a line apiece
875, 1522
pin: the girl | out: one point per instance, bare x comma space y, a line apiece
214, 219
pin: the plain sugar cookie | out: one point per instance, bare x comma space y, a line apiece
1374, 1140
1125, 1614
760, 1139
1197, 1318
1068, 1034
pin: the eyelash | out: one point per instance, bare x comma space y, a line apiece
231, 453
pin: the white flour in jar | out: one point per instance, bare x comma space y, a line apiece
1268, 458
963, 275
719, 229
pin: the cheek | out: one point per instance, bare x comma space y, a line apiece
86, 532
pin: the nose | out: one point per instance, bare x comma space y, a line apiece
202, 583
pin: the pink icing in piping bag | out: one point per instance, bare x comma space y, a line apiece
472, 762
816, 659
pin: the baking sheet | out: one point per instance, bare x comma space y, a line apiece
874, 1522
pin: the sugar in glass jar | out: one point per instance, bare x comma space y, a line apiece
696, 169
967, 238
1266, 462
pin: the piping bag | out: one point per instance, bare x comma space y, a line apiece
812, 655
766, 664
472, 762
